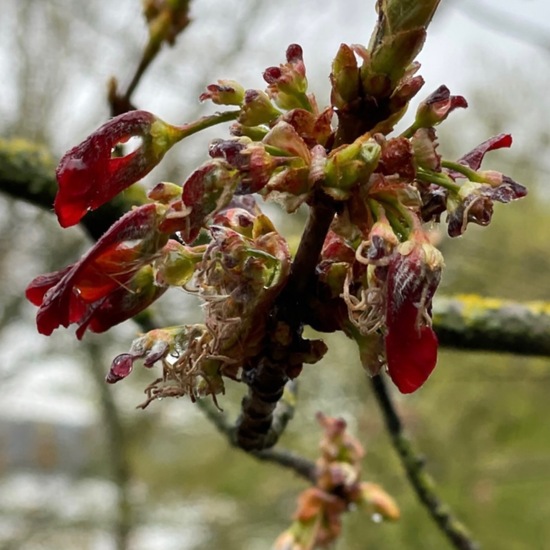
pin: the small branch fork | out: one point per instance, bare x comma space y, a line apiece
303, 467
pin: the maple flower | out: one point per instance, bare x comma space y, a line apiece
109, 283
89, 175
413, 274
225, 92
437, 107
474, 200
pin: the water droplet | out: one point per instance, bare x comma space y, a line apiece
377, 518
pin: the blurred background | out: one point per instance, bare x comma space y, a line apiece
80, 467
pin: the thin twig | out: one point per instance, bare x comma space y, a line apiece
302, 466
164, 26
421, 481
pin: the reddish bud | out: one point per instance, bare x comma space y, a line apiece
206, 191
396, 158
287, 84
437, 107
225, 92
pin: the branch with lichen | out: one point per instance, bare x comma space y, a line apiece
472, 322
27, 173
421, 481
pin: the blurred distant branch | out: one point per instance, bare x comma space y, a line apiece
476, 323
509, 24
27, 172
117, 445
421, 481
166, 19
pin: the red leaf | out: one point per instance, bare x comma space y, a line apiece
411, 352
88, 175
99, 284
411, 344
474, 158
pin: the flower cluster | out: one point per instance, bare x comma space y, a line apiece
318, 518
377, 272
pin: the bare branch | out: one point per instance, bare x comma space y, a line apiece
166, 20
302, 466
421, 481
476, 323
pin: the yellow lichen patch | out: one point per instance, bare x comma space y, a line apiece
473, 304
12, 149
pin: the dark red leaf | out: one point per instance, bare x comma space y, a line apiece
89, 176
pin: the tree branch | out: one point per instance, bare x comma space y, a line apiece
421, 481
165, 23
275, 366
471, 322
303, 467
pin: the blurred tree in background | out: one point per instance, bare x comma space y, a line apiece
164, 478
